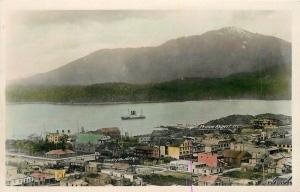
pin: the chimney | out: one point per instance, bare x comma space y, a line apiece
69, 131
57, 131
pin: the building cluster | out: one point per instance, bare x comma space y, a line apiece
106, 157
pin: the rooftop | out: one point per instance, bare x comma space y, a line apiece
110, 129
42, 175
60, 152
88, 138
282, 141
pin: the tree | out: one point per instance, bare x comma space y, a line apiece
63, 141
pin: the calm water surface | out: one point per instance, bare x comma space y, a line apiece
25, 119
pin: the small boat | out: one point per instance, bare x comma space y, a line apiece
133, 115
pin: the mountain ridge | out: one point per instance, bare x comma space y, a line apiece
216, 53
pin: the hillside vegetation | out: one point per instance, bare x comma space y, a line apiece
271, 83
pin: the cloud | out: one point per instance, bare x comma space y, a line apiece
81, 16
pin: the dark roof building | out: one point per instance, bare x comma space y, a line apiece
87, 142
235, 158
113, 132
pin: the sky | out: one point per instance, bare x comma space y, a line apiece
40, 41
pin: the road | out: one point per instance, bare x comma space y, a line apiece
231, 170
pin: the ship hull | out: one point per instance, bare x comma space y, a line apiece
132, 118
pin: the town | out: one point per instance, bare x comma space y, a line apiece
233, 150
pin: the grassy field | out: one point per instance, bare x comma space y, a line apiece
176, 174
249, 175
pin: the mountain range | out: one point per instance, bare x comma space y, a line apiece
214, 54
229, 63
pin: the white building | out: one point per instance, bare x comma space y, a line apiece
181, 165
120, 174
194, 167
144, 139
215, 145
18, 180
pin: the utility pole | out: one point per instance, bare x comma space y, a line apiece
263, 166
77, 124
122, 134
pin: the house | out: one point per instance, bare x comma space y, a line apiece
41, 178
283, 143
216, 145
113, 132
237, 146
210, 159
104, 139
162, 151
283, 163
181, 165
179, 149
199, 169
146, 152
78, 164
235, 158
194, 167
56, 137
265, 123
59, 174
172, 151
108, 150
19, 180
198, 148
98, 179
92, 167
144, 139
156, 152
279, 162
86, 143
53, 137
119, 173
72, 181
163, 144
256, 158
59, 153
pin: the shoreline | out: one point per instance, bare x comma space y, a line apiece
135, 102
